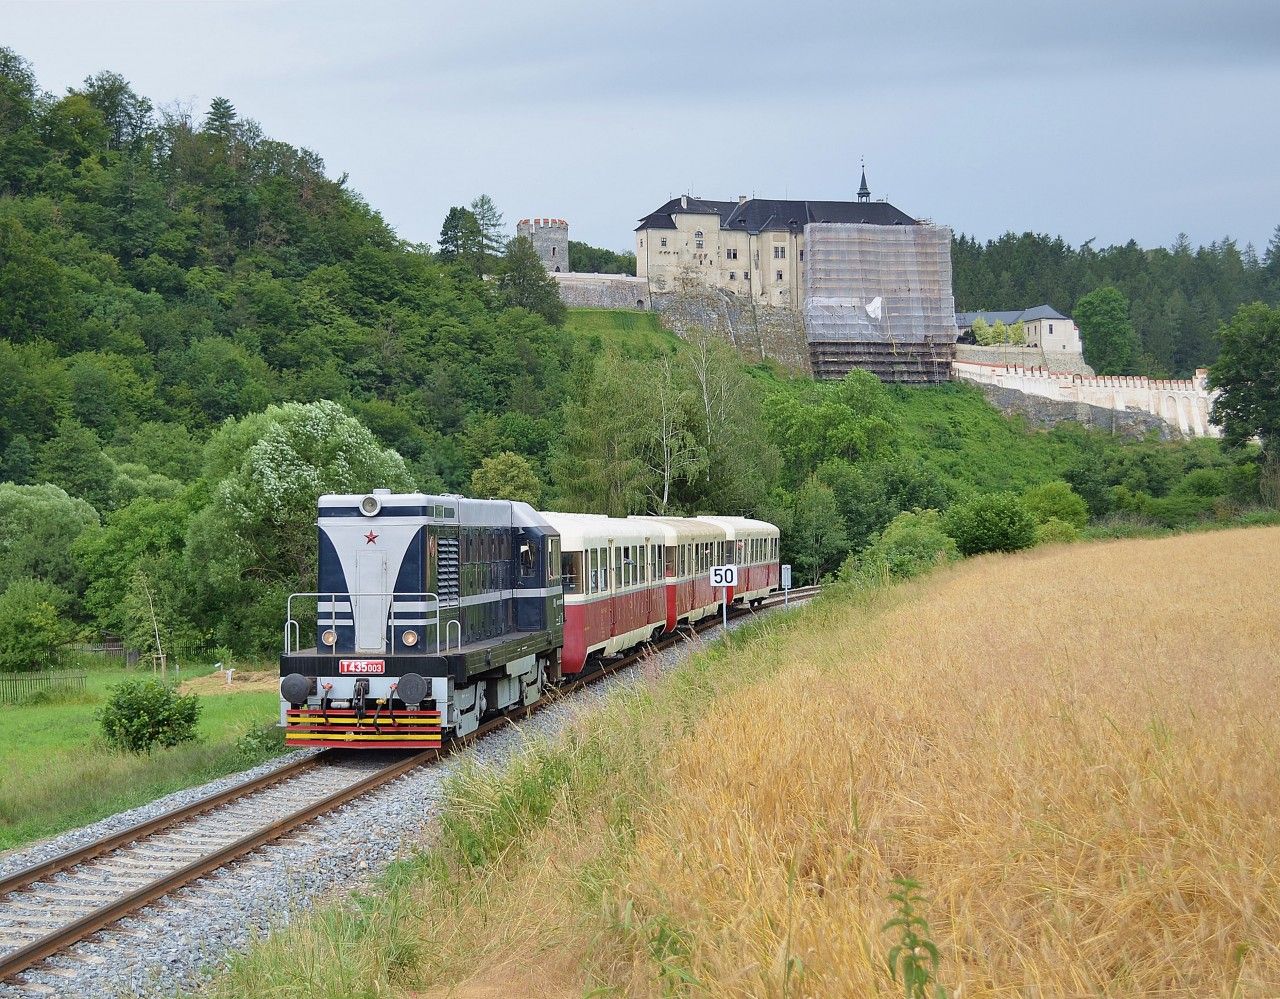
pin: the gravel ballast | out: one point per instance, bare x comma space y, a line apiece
177, 942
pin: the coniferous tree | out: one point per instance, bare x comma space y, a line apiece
461, 238
221, 119
492, 238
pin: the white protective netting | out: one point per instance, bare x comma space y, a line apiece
879, 297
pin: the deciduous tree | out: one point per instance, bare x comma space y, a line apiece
1248, 374
525, 283
507, 476
39, 525
1110, 344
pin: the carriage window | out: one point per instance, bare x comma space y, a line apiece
553, 559
595, 571
571, 569
617, 568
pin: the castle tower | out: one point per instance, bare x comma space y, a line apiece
864, 192
550, 237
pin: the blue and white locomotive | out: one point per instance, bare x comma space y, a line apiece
431, 612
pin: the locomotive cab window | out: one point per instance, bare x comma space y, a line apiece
528, 559
553, 560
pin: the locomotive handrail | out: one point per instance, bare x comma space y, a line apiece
293, 631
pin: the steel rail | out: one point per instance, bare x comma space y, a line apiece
113, 841
22, 959
46, 946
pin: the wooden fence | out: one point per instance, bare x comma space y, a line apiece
16, 686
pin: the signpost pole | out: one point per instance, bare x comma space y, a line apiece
724, 578
786, 585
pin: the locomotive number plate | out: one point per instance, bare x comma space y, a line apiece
364, 667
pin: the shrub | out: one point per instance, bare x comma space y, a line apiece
1055, 531
141, 714
1203, 482
912, 543
1179, 510
991, 522
1056, 501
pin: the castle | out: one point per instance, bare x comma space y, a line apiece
828, 286
874, 291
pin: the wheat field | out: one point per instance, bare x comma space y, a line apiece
1075, 750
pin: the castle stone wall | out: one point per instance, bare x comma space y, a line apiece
759, 332
603, 291
1069, 362
1046, 413
1183, 404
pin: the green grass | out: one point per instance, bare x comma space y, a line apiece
628, 333
972, 441
59, 773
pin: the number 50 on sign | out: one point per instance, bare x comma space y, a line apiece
724, 575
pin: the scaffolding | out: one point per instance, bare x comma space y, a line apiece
879, 297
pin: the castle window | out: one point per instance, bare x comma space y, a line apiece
731, 254
553, 251
802, 256
697, 244
779, 253
733, 276
778, 275
664, 241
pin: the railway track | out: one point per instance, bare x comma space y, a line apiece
49, 906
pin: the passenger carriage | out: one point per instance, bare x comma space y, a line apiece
752, 547
692, 547
431, 612
613, 577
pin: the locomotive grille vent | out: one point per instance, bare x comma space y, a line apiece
447, 570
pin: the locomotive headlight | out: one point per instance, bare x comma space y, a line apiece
370, 505
330, 638
410, 638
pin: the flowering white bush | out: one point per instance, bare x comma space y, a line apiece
256, 539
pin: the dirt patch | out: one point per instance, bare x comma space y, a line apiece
241, 682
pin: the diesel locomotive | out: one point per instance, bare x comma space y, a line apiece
434, 612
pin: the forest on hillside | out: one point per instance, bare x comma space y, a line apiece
200, 331
1177, 297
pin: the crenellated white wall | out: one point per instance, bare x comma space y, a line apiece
1182, 403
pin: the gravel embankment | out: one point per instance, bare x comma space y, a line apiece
175, 943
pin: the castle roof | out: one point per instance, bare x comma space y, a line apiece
756, 215
965, 319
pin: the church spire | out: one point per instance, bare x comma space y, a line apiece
864, 192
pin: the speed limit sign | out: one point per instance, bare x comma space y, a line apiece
724, 575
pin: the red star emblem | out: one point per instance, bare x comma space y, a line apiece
370, 538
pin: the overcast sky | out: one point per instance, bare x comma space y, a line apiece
1112, 120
